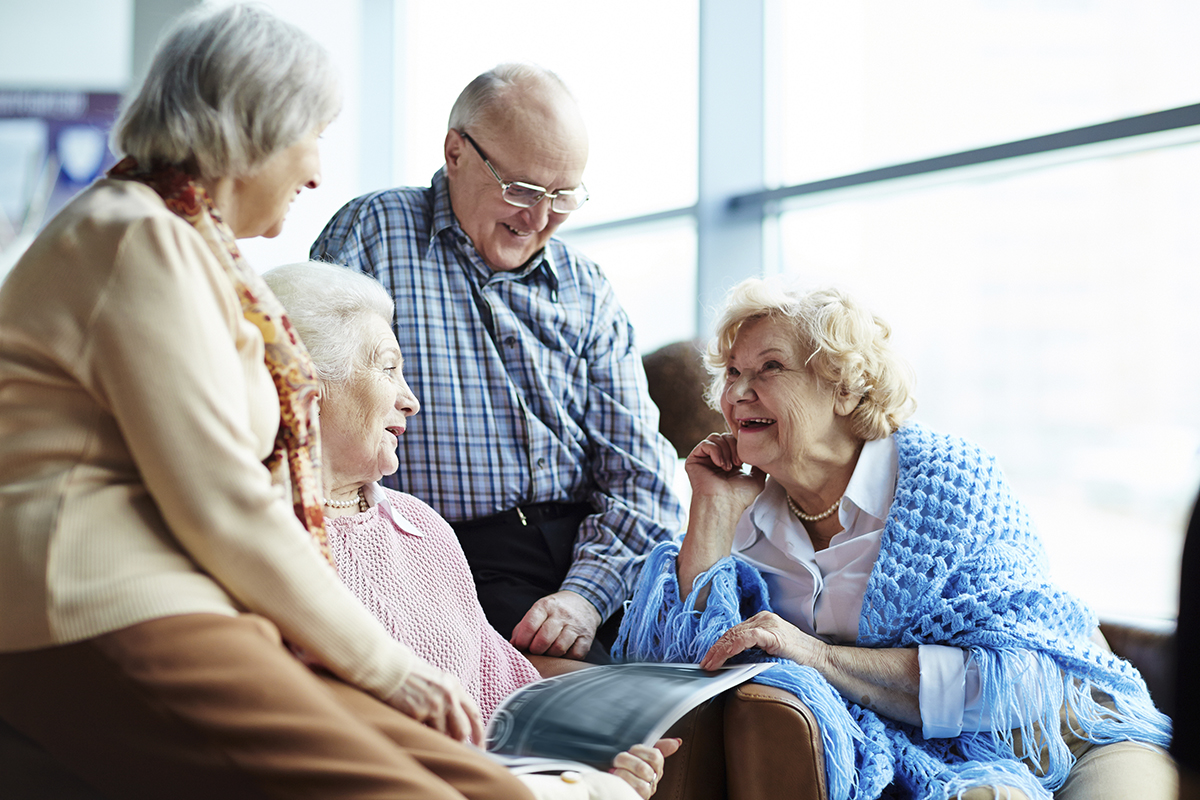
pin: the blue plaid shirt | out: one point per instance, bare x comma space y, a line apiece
531, 387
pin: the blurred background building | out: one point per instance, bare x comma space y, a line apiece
1013, 185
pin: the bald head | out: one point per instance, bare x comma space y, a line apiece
517, 95
528, 127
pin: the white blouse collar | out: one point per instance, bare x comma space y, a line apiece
872, 487
376, 496
871, 490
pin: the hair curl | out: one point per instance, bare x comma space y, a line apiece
227, 88
848, 347
328, 305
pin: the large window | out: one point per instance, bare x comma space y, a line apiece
1047, 304
1052, 316
866, 84
652, 268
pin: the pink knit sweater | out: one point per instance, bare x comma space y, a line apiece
402, 560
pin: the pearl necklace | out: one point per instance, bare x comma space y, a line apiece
811, 517
360, 501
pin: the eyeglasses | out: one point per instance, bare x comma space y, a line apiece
527, 195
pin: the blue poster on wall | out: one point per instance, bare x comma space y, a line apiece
52, 145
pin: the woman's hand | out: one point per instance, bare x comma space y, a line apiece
774, 636
714, 470
886, 680
642, 767
437, 699
720, 493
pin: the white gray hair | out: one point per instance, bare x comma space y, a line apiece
327, 305
497, 85
848, 347
227, 88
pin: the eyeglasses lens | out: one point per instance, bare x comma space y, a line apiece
524, 195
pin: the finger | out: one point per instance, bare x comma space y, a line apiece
715, 450
528, 627
477, 730
668, 747
729, 645
564, 642
729, 446
463, 718
706, 453
546, 636
635, 766
645, 789
438, 719
715, 658
451, 722
652, 757
581, 647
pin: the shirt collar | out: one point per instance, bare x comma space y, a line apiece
443, 214
377, 497
872, 487
444, 221
768, 516
871, 490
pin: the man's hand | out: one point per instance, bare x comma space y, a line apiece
437, 699
560, 624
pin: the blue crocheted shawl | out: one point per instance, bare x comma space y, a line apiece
960, 564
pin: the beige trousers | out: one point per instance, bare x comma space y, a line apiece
205, 706
1121, 771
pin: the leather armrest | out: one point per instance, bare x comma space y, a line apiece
772, 746
1152, 651
549, 666
697, 770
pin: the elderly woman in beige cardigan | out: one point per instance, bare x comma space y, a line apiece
159, 495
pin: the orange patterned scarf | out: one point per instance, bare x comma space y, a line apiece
298, 442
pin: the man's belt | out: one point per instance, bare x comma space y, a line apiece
523, 516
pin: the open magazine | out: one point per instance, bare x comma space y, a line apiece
583, 719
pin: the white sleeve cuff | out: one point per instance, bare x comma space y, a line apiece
943, 690
977, 717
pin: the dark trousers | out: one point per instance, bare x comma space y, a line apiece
519, 557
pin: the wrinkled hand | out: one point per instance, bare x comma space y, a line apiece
714, 469
560, 624
437, 699
642, 767
770, 633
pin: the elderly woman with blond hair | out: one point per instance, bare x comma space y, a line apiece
892, 572
161, 539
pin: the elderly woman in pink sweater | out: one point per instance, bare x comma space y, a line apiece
400, 558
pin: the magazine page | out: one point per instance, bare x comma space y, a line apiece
591, 715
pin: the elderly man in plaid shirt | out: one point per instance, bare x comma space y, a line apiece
537, 439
